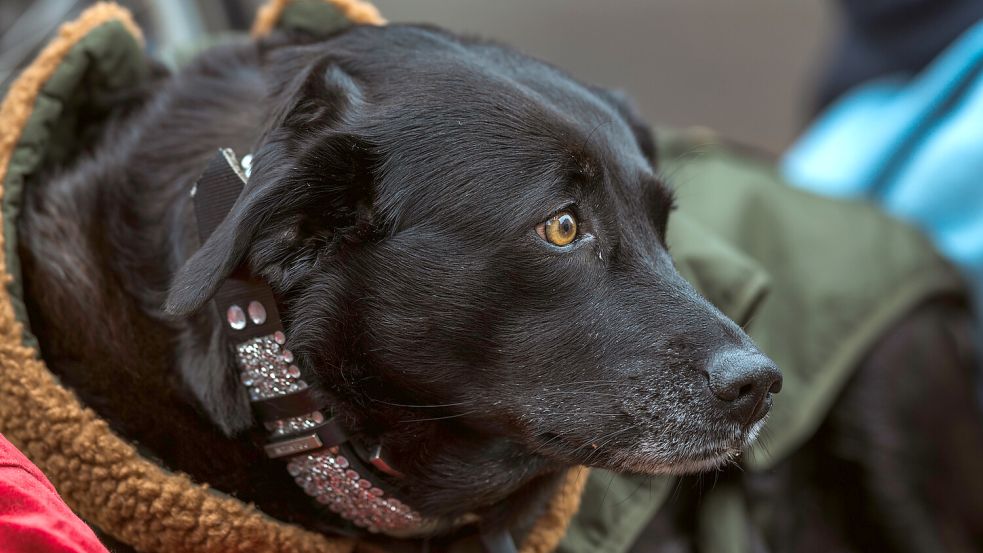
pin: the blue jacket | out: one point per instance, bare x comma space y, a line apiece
914, 145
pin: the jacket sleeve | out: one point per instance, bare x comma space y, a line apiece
33, 518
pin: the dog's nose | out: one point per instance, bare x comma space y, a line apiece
744, 380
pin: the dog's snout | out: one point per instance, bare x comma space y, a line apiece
744, 380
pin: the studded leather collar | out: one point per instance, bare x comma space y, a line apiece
318, 452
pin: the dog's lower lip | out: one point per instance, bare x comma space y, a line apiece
763, 408
684, 464
725, 448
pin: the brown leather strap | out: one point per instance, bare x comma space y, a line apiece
327, 434
288, 405
216, 191
215, 194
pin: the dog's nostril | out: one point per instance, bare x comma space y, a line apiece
743, 378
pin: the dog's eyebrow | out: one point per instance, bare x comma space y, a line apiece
582, 169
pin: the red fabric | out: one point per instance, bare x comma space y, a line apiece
33, 518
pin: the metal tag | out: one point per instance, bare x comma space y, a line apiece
292, 446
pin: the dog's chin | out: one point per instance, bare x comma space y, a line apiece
649, 458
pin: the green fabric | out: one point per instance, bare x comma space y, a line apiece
615, 508
732, 280
841, 273
105, 60
313, 16
176, 56
722, 521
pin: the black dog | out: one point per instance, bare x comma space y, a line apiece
468, 250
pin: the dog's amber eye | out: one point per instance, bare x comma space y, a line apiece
560, 229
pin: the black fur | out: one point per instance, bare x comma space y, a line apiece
399, 175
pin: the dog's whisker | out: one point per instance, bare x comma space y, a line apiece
546, 444
593, 442
607, 488
558, 436
419, 406
599, 448
591, 133
446, 417
576, 382
593, 390
633, 492
584, 414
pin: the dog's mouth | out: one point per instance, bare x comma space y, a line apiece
653, 458
712, 455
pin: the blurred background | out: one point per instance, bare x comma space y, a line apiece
744, 68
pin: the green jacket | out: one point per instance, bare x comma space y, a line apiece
814, 281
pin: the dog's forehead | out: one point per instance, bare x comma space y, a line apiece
425, 81
491, 88
480, 122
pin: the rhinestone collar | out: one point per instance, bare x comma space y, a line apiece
318, 452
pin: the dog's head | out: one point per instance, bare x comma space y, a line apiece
470, 250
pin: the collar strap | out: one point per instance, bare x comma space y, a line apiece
319, 453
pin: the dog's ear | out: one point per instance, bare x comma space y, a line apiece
309, 193
310, 189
